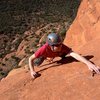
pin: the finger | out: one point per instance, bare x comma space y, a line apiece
33, 77
90, 69
94, 68
97, 70
98, 67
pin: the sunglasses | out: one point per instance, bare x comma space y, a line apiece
56, 45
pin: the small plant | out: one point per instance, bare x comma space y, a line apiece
62, 32
6, 59
34, 45
1, 55
26, 39
3, 64
53, 30
2, 73
5, 41
37, 40
16, 58
27, 51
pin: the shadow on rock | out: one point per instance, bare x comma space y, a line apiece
65, 60
70, 59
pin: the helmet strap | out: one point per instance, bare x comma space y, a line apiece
52, 48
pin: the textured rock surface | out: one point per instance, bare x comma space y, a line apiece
86, 25
68, 81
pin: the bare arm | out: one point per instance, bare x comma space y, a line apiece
90, 65
31, 66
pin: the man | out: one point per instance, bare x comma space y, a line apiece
55, 48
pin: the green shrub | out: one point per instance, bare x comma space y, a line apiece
6, 59
2, 73
27, 51
37, 40
3, 64
62, 32
16, 59
1, 55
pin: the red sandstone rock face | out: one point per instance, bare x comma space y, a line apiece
86, 25
71, 81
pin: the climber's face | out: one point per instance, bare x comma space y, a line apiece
56, 48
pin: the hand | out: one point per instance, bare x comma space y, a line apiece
35, 75
50, 59
94, 68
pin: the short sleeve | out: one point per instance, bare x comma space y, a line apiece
66, 49
40, 52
